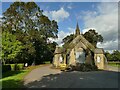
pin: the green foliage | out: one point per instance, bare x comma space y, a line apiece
108, 55
50, 51
14, 79
117, 64
93, 37
26, 21
11, 47
11, 83
6, 68
67, 40
84, 67
115, 56
12, 67
15, 67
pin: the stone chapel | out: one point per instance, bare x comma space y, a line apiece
79, 50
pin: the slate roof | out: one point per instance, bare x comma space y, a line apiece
75, 41
83, 40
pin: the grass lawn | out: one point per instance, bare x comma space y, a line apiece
114, 64
14, 79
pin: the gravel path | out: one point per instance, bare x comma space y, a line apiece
76, 79
38, 73
113, 68
45, 77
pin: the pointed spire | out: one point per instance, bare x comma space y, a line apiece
77, 31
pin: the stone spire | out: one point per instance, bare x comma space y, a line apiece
77, 31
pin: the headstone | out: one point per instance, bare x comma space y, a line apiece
26, 64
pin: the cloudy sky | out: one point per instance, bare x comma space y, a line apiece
101, 16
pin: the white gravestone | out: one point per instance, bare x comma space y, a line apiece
26, 64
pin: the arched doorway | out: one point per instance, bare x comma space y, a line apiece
80, 55
68, 57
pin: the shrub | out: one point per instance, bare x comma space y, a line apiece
6, 68
12, 67
17, 67
84, 67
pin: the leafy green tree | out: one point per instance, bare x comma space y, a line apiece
68, 39
108, 55
11, 47
31, 27
51, 49
116, 55
93, 37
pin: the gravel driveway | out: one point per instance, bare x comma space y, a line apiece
44, 77
38, 73
113, 68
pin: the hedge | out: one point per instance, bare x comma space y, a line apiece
115, 63
6, 68
12, 67
16, 67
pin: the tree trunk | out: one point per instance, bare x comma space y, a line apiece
3, 62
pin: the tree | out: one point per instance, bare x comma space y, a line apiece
68, 39
108, 55
31, 27
11, 47
116, 55
93, 37
51, 49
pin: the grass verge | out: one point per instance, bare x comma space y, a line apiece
14, 79
114, 64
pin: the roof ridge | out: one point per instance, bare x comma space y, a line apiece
83, 40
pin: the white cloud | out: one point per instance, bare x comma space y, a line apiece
70, 6
1, 16
109, 45
58, 15
105, 21
71, 30
87, 29
62, 34
110, 51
